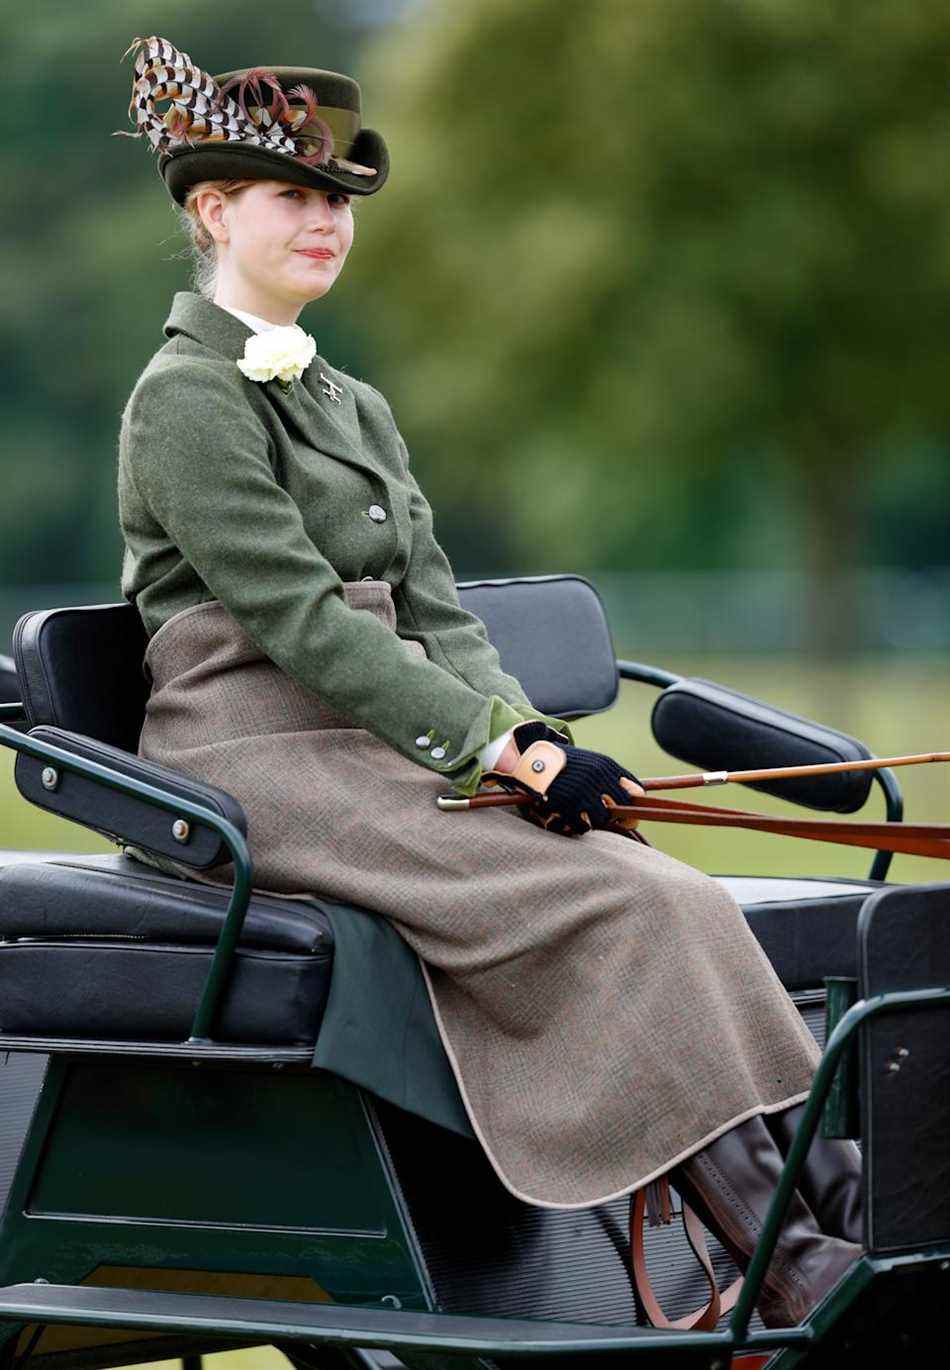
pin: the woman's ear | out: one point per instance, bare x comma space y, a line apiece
210, 205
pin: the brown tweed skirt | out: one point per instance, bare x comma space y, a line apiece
604, 1007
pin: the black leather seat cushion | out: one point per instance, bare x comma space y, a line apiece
807, 927
106, 947
126, 991
117, 896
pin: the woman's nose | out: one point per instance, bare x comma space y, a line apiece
322, 215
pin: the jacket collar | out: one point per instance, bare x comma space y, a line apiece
206, 322
333, 426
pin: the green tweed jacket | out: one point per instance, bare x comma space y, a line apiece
231, 490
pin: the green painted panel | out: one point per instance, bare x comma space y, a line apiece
159, 1142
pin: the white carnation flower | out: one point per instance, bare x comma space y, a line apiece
281, 354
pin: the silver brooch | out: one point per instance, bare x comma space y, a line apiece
333, 390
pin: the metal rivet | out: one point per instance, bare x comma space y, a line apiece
50, 777
181, 830
537, 765
438, 753
423, 741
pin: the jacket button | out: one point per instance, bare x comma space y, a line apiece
423, 741
366, 577
438, 753
377, 513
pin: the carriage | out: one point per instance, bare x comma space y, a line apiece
184, 1169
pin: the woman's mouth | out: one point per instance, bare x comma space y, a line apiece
320, 253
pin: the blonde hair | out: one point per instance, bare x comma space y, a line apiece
203, 254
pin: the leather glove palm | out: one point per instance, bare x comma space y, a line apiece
567, 785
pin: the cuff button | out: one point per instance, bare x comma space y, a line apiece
423, 741
438, 753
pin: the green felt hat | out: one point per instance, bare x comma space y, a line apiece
298, 124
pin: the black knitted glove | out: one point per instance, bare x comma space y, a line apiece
575, 791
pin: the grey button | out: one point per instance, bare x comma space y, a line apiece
422, 741
377, 513
438, 753
366, 577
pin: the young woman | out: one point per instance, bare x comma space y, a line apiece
608, 1015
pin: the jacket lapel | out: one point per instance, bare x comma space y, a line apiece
319, 421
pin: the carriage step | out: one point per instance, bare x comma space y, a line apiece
273, 1321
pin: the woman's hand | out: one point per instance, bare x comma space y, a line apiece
579, 796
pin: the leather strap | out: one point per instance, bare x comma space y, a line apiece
720, 1301
917, 839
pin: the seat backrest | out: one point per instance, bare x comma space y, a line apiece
9, 689
904, 1069
552, 635
80, 668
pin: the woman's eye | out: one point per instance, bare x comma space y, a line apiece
337, 197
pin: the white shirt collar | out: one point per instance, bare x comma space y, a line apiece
258, 324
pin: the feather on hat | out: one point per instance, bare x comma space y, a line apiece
276, 126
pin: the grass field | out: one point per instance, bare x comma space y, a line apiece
896, 706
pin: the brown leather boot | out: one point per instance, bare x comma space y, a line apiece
730, 1184
830, 1180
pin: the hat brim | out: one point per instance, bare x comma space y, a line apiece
219, 161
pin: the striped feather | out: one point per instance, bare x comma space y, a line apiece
199, 110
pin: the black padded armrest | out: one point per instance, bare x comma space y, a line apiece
719, 729
87, 800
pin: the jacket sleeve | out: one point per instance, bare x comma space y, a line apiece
428, 603
199, 457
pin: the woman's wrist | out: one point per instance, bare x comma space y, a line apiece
523, 734
509, 757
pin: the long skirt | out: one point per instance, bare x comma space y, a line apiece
605, 1008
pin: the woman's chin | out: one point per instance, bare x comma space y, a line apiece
314, 288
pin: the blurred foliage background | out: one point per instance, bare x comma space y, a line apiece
659, 291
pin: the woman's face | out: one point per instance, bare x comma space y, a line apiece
284, 242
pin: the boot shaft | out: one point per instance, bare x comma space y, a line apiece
730, 1183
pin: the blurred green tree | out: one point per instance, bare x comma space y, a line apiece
637, 259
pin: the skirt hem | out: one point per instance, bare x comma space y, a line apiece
790, 1102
